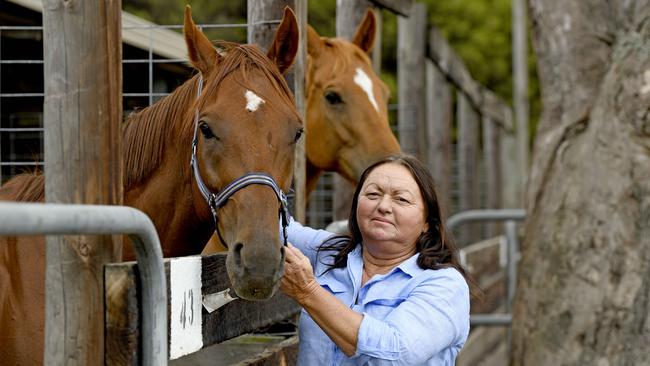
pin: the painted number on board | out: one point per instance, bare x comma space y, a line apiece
185, 281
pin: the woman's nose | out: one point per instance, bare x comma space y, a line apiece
384, 205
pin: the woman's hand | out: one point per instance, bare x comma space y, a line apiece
298, 281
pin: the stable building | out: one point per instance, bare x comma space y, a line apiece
154, 63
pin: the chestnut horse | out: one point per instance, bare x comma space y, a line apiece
235, 118
347, 113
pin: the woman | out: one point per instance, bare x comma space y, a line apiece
391, 293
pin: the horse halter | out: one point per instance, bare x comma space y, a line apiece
219, 199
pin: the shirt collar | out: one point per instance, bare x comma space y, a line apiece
409, 266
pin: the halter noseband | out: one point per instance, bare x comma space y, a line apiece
219, 199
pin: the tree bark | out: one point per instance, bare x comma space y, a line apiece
583, 296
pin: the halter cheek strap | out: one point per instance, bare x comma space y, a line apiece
219, 199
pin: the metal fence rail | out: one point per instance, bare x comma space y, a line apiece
59, 219
510, 216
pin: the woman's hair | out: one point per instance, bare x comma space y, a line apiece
436, 248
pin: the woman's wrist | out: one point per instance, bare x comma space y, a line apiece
307, 292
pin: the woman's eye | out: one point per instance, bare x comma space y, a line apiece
206, 131
402, 200
333, 98
372, 195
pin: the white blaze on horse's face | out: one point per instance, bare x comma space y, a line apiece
362, 79
253, 101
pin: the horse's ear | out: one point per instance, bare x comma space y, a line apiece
284, 48
365, 34
314, 42
200, 50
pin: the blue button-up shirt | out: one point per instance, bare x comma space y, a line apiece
411, 316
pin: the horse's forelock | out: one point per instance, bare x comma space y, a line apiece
341, 54
242, 59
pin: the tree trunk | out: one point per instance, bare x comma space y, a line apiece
583, 297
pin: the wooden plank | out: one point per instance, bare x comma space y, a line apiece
284, 353
400, 7
231, 320
376, 50
520, 91
261, 30
122, 315
496, 109
491, 159
510, 186
299, 209
82, 120
468, 177
438, 120
455, 70
411, 48
453, 67
349, 14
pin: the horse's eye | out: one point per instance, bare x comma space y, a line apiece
333, 97
206, 131
298, 135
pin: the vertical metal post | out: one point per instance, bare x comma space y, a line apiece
511, 276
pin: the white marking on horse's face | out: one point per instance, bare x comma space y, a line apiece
253, 101
362, 79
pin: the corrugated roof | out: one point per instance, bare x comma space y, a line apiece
137, 32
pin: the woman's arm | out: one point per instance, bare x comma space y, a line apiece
338, 321
434, 317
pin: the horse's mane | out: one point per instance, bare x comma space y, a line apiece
25, 187
343, 59
146, 132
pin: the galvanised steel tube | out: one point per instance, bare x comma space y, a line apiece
485, 215
490, 319
60, 219
509, 216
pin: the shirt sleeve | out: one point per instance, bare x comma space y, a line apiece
433, 318
306, 239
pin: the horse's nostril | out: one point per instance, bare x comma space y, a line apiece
237, 253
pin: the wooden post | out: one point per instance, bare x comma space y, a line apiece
438, 108
262, 34
492, 169
349, 14
411, 47
468, 142
376, 50
520, 97
83, 164
511, 192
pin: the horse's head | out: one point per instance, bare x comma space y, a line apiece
246, 122
347, 117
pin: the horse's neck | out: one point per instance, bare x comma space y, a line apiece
168, 198
168, 193
313, 174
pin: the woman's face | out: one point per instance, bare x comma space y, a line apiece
391, 211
